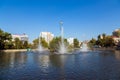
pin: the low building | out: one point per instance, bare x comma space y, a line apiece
22, 37
48, 36
116, 33
116, 36
116, 39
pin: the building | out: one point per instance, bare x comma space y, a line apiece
70, 41
48, 36
116, 36
22, 37
116, 39
116, 33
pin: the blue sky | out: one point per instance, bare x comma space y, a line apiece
83, 19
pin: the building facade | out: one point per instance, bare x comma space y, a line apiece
22, 37
116, 36
48, 36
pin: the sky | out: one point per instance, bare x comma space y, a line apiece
82, 19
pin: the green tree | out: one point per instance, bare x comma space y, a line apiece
54, 44
35, 43
18, 44
116, 33
25, 44
76, 43
44, 43
101, 40
16, 41
92, 42
5, 38
104, 35
109, 42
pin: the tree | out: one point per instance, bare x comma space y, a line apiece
109, 42
54, 44
35, 43
17, 43
104, 35
42, 42
92, 42
25, 44
101, 40
5, 38
116, 33
76, 43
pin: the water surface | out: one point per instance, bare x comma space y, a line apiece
92, 65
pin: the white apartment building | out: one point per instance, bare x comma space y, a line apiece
48, 36
22, 37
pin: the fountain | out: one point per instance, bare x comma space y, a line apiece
84, 47
40, 48
62, 49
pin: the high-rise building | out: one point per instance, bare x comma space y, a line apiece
22, 37
48, 36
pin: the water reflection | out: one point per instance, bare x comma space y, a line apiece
58, 60
11, 59
117, 54
99, 65
43, 62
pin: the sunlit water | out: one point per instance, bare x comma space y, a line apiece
40, 48
94, 65
84, 48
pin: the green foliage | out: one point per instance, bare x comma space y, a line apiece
42, 41
54, 44
76, 43
109, 42
92, 42
35, 43
18, 44
116, 33
104, 35
5, 38
7, 43
25, 44
103, 41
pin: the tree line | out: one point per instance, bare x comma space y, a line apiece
6, 42
102, 41
55, 43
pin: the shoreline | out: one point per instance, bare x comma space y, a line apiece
18, 50
25, 50
103, 48
14, 50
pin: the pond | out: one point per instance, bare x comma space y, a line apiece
91, 65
